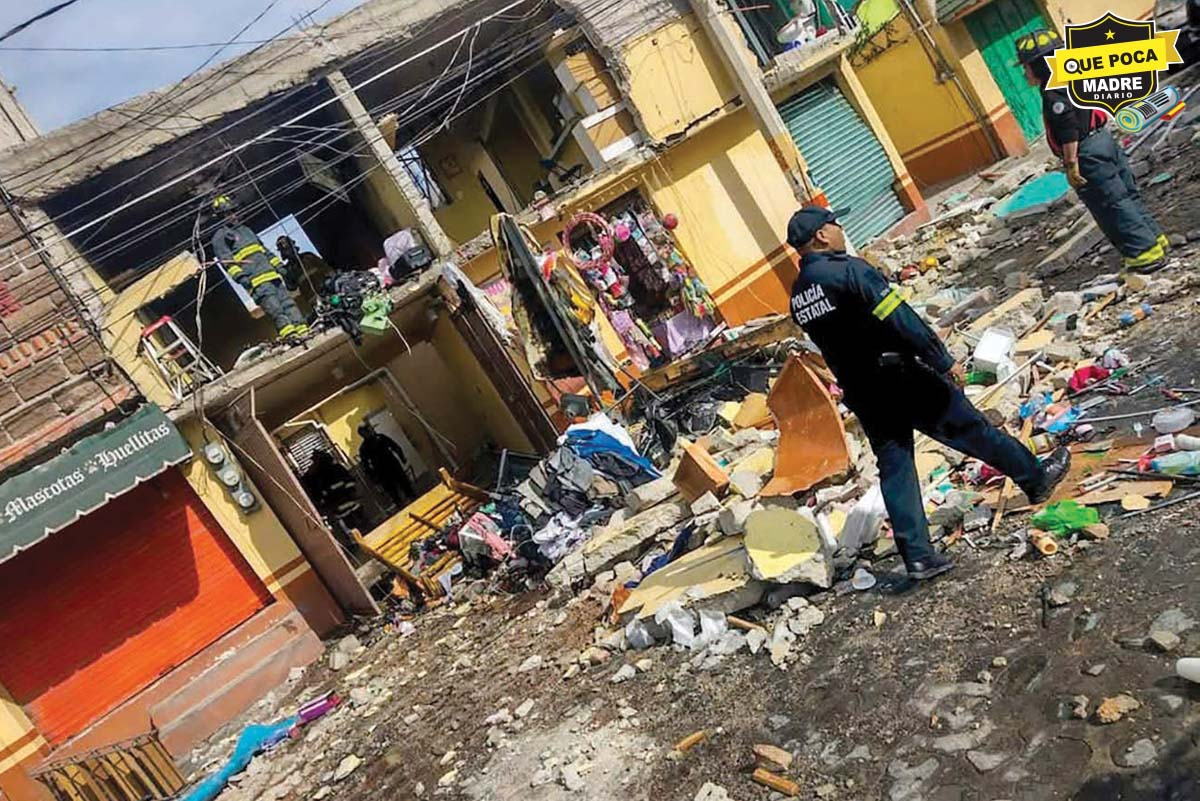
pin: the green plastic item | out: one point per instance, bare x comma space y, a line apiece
375, 310
1064, 517
980, 378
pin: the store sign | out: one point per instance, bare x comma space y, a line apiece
1111, 63
86, 476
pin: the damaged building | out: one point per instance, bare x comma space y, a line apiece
418, 151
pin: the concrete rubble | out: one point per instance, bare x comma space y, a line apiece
695, 584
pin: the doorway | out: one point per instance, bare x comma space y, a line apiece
995, 29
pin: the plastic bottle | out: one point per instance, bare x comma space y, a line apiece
1186, 442
1172, 421
1136, 315
1035, 404
1185, 463
1188, 668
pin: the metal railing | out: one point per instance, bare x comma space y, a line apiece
134, 770
762, 21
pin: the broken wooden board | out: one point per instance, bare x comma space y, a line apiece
698, 473
1034, 343
715, 576
753, 412
1023, 298
812, 439
1114, 493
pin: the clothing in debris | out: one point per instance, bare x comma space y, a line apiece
257, 270
335, 494
892, 369
384, 462
611, 457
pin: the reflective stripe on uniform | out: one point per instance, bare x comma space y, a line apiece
287, 330
891, 301
276, 261
262, 278
248, 251
234, 271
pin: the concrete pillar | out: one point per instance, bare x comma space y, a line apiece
748, 79
16, 125
426, 223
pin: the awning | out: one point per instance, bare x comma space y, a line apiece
88, 475
951, 10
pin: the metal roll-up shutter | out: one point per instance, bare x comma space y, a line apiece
100, 610
845, 159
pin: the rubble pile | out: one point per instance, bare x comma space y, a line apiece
705, 532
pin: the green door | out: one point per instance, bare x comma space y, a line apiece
995, 29
845, 159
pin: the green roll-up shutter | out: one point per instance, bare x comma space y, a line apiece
845, 159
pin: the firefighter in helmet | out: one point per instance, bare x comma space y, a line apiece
256, 269
1096, 165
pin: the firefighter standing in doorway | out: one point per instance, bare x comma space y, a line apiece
1096, 165
256, 269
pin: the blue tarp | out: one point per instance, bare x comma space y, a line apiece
597, 446
1041, 191
252, 740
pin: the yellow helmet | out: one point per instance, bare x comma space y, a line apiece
1038, 44
222, 204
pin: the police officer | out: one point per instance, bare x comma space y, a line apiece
256, 269
896, 376
1096, 165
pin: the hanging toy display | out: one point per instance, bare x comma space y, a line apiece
649, 291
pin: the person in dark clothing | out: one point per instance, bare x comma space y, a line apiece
385, 463
896, 376
335, 494
306, 265
1096, 165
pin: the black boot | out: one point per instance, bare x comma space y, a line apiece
935, 565
1054, 469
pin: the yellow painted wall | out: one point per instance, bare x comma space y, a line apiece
342, 414
514, 151
590, 71
963, 53
441, 398
491, 415
1078, 12
731, 197
258, 535
902, 84
122, 327
676, 77
15, 727
470, 208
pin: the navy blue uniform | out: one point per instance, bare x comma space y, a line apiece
891, 367
1111, 193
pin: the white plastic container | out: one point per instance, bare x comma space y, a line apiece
995, 347
1188, 668
1172, 421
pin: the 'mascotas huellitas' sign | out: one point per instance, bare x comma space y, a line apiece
51, 496
1111, 62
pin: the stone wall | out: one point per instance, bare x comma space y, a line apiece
54, 374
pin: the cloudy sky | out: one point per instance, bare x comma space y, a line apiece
60, 87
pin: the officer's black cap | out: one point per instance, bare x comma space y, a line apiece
805, 223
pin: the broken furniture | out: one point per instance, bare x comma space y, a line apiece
812, 439
391, 541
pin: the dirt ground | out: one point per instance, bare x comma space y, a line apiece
961, 690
